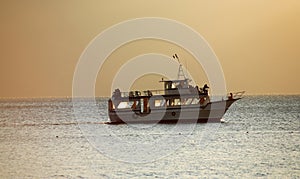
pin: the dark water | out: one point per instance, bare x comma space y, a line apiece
47, 138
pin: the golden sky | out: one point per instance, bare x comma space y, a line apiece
257, 42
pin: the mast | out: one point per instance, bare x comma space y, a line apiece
180, 73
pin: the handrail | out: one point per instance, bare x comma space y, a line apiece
233, 95
142, 93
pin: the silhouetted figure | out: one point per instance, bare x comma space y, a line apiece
149, 93
117, 93
205, 89
231, 96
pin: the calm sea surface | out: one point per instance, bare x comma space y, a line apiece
54, 138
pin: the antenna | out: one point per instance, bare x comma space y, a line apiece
180, 69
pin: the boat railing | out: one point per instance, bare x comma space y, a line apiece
159, 92
234, 95
142, 93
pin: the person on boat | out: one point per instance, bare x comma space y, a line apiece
205, 89
131, 94
117, 93
198, 90
137, 93
149, 93
116, 97
230, 96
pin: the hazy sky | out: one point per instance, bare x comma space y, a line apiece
256, 41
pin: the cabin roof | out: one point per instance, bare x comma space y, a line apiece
174, 81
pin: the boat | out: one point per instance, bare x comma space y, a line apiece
177, 102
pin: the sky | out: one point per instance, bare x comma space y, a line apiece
257, 42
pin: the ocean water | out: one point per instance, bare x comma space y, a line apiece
55, 138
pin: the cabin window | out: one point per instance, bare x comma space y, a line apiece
174, 102
169, 85
122, 105
188, 101
177, 102
196, 101
125, 104
142, 105
159, 102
